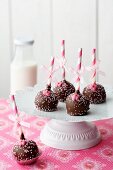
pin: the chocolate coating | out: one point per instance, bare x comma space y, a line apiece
77, 107
47, 103
63, 89
25, 152
95, 96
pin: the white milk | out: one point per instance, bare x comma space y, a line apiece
23, 75
23, 68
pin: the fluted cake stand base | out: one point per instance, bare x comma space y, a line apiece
70, 135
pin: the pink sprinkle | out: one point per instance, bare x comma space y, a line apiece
22, 142
93, 87
59, 84
46, 92
75, 97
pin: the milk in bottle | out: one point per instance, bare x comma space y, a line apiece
23, 69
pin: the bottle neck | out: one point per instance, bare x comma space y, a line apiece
23, 53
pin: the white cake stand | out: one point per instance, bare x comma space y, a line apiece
64, 131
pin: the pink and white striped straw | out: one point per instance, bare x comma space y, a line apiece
12, 97
93, 64
51, 71
63, 58
79, 68
15, 109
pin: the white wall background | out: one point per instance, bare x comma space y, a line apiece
85, 24
4, 48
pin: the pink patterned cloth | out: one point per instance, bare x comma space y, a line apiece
99, 157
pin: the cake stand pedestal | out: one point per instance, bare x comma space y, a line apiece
70, 135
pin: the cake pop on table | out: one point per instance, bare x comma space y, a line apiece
46, 100
63, 88
94, 92
24, 151
76, 103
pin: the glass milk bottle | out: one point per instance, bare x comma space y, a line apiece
23, 69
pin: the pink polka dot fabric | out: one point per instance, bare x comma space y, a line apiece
99, 157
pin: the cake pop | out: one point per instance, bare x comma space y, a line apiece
94, 92
76, 103
24, 151
46, 100
64, 87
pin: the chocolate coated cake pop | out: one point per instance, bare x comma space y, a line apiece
25, 151
95, 93
46, 100
77, 104
63, 89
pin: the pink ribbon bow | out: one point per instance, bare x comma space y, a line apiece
78, 73
50, 73
62, 62
95, 67
18, 121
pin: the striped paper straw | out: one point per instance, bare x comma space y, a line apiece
51, 71
63, 58
12, 97
78, 69
15, 109
93, 64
